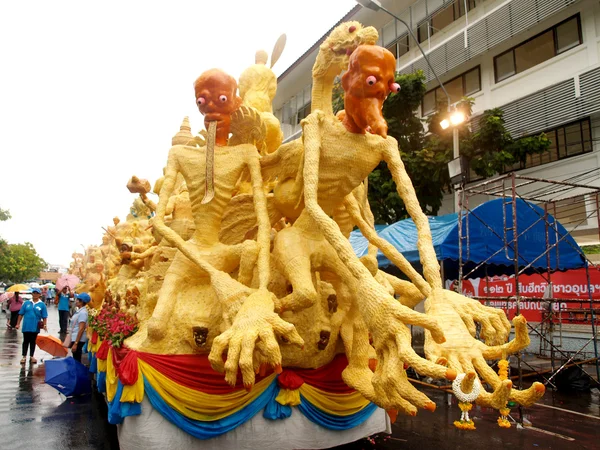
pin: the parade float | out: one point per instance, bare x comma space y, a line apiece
234, 310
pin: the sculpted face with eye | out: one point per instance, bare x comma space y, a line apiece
217, 99
367, 83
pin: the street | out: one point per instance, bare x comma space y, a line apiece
35, 415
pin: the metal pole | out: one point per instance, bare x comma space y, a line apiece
375, 6
455, 152
517, 290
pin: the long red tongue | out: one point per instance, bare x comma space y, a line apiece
209, 191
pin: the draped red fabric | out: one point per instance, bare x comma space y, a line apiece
125, 362
288, 379
94, 337
102, 352
193, 371
328, 377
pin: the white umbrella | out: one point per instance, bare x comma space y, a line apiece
34, 285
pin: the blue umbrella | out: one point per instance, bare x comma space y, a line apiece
68, 376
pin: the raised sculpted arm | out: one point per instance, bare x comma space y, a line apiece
262, 218
406, 191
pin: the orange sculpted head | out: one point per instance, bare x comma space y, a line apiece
367, 83
217, 99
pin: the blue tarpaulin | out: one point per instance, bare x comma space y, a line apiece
485, 227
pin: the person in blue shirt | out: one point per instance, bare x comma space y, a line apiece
79, 324
34, 315
62, 300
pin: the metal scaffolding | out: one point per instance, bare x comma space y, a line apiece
575, 203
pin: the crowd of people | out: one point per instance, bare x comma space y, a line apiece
28, 311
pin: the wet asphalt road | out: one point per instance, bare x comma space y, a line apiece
34, 415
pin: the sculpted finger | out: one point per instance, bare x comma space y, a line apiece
272, 351
469, 323
486, 372
529, 396
413, 395
233, 357
454, 362
425, 367
488, 332
288, 330
246, 362
409, 317
219, 346
498, 398
466, 363
520, 341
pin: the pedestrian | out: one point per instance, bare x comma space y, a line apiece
62, 300
14, 306
49, 295
34, 315
79, 324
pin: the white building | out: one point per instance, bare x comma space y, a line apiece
538, 60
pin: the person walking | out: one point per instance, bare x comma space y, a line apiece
14, 306
49, 295
62, 300
79, 324
34, 315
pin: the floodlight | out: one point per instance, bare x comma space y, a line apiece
444, 124
457, 118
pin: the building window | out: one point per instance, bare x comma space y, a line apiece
303, 112
540, 48
443, 17
565, 141
399, 47
463, 85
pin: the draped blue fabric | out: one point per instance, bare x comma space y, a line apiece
118, 410
325, 420
101, 382
207, 430
274, 410
93, 363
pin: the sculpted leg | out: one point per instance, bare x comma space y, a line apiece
293, 260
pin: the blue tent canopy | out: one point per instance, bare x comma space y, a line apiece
485, 226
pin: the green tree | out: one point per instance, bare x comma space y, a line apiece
20, 262
4, 214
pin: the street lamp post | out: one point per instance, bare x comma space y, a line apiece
455, 117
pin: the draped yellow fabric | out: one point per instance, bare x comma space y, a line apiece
101, 365
111, 377
288, 397
134, 393
334, 404
94, 347
197, 405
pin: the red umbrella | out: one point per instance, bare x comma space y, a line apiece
51, 344
69, 280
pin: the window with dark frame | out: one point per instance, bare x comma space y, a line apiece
458, 87
399, 47
565, 141
443, 17
303, 112
541, 47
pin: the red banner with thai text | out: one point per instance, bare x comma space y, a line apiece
570, 294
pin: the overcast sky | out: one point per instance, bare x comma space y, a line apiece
92, 92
